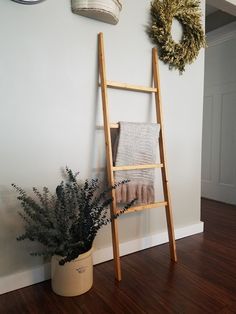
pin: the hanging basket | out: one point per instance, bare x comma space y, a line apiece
107, 11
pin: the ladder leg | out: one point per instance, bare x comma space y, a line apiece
169, 219
116, 251
110, 175
171, 235
169, 216
168, 207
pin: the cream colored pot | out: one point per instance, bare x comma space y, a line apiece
73, 278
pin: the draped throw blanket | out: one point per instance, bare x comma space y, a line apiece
136, 144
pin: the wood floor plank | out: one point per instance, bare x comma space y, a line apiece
111, 293
187, 285
203, 281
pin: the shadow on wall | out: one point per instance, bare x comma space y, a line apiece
14, 255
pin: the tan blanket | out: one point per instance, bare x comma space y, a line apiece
136, 144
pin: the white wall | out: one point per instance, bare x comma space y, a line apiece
51, 107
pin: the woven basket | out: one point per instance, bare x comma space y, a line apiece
107, 11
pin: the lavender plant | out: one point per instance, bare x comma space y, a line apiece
66, 223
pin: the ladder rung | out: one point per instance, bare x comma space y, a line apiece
114, 125
136, 88
134, 167
145, 206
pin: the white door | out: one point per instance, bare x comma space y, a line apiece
219, 123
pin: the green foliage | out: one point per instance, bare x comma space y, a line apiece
188, 13
66, 223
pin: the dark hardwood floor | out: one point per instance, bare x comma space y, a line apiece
203, 280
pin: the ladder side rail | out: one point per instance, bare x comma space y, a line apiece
114, 226
159, 117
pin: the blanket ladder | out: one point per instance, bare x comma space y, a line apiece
105, 84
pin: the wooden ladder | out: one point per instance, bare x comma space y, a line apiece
104, 83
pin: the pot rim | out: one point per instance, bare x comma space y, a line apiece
79, 258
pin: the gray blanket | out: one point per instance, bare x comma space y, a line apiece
136, 144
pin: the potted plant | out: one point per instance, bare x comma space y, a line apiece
66, 223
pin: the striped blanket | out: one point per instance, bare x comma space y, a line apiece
136, 144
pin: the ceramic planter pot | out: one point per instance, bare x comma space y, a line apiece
73, 278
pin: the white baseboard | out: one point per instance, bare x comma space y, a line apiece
42, 273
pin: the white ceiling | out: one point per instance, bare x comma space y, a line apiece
228, 6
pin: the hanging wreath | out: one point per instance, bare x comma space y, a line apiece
188, 13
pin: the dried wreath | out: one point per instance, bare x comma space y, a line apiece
188, 13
